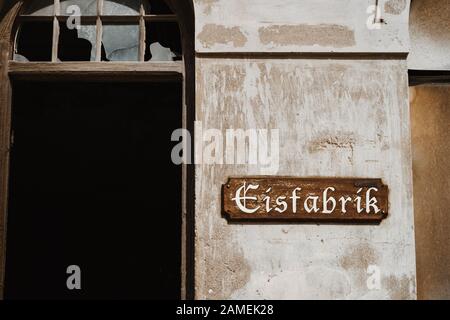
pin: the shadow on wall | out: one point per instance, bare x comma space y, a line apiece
429, 64
430, 125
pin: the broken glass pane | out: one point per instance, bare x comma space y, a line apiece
77, 44
123, 7
163, 41
34, 41
19, 57
121, 42
89, 32
40, 8
86, 7
160, 53
159, 7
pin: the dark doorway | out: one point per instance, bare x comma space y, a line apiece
92, 184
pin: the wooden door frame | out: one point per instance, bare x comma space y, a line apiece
183, 71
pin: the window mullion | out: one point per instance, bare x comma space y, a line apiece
55, 42
142, 34
98, 55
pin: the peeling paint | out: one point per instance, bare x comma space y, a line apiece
395, 6
216, 34
340, 140
359, 257
356, 259
326, 35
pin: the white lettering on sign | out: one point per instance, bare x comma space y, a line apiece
249, 204
242, 200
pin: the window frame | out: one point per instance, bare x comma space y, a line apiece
182, 70
99, 20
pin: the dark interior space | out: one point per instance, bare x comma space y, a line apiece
167, 34
34, 40
159, 7
92, 184
71, 47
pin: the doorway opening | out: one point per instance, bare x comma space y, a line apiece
92, 184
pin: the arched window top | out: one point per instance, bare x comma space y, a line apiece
92, 7
97, 30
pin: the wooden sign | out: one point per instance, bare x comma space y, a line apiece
305, 199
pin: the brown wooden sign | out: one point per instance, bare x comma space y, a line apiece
305, 199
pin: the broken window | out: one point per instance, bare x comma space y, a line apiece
77, 44
121, 42
163, 42
98, 30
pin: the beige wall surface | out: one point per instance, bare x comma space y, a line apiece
300, 26
429, 29
430, 123
343, 118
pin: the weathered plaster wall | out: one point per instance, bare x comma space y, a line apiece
299, 26
337, 117
344, 118
430, 35
430, 120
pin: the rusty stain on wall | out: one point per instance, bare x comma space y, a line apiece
399, 288
359, 256
307, 35
356, 260
216, 34
395, 6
